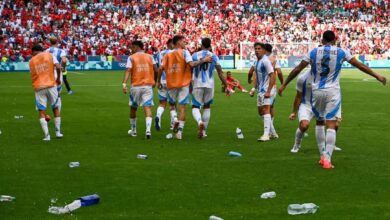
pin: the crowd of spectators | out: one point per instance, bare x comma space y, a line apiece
106, 27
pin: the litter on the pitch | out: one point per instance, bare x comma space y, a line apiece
18, 116
82, 201
74, 164
305, 134
305, 208
142, 156
169, 136
268, 195
213, 217
239, 133
234, 154
337, 149
5, 198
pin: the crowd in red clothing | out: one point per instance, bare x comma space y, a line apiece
96, 27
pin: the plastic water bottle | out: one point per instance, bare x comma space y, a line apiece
268, 195
213, 217
142, 156
74, 164
234, 154
4, 198
18, 116
169, 136
239, 133
298, 209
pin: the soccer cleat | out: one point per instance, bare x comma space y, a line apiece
70, 92
201, 130
132, 133
322, 159
274, 136
59, 135
46, 138
244, 91
175, 126
295, 149
204, 134
327, 164
252, 92
158, 124
148, 135
178, 136
263, 138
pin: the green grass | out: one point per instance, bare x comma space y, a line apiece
190, 179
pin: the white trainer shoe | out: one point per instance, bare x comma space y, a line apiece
132, 133
46, 138
263, 138
178, 136
295, 149
59, 135
274, 136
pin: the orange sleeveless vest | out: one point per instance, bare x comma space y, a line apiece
178, 72
142, 70
42, 71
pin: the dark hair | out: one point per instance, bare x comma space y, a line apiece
138, 43
228, 72
328, 36
206, 42
258, 44
53, 40
176, 39
169, 41
37, 47
268, 47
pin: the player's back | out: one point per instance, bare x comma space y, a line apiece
326, 62
42, 71
304, 85
142, 69
178, 72
56, 52
203, 74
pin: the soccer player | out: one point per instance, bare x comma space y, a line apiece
163, 91
233, 83
142, 69
177, 66
203, 85
326, 62
265, 81
42, 68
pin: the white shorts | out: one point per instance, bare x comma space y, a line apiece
305, 112
202, 96
163, 93
261, 101
141, 96
44, 95
326, 104
180, 95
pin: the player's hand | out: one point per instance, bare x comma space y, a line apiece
281, 89
125, 90
382, 79
292, 116
207, 59
267, 95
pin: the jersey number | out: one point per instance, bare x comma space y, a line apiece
325, 66
204, 66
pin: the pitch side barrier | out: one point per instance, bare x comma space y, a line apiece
119, 63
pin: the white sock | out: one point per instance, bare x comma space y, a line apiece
173, 115
57, 122
330, 142
133, 123
148, 123
45, 129
272, 128
267, 123
160, 111
320, 136
206, 117
59, 104
181, 126
298, 137
196, 114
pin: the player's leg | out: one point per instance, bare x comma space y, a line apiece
209, 97
264, 108
183, 98
197, 102
172, 97
163, 97
55, 102
65, 79
147, 103
305, 115
148, 121
41, 102
318, 108
134, 93
273, 133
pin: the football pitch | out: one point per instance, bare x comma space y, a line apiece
191, 178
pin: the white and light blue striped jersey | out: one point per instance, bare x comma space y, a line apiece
326, 62
57, 53
263, 70
304, 84
160, 57
203, 75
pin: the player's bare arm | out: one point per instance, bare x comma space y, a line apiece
294, 73
63, 63
58, 71
125, 79
296, 104
250, 74
207, 59
280, 75
158, 81
354, 62
155, 71
220, 75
